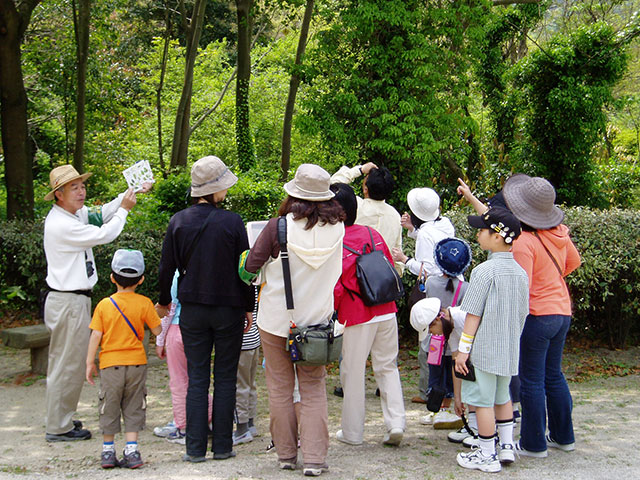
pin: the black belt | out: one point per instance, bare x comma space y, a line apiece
86, 293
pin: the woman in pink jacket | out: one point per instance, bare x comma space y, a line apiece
368, 330
546, 252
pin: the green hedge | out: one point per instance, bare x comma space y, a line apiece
604, 289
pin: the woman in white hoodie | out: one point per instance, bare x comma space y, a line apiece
314, 242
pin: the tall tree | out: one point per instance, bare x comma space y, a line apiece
81, 21
244, 139
294, 83
17, 147
193, 28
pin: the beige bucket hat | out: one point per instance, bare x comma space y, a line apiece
311, 183
62, 175
210, 175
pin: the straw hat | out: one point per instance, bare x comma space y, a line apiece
210, 175
311, 183
62, 175
424, 203
531, 199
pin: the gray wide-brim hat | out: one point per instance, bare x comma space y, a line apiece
210, 175
531, 200
311, 183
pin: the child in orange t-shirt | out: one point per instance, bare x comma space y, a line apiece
118, 327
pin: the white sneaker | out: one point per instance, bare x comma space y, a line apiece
528, 453
459, 435
177, 437
446, 420
475, 460
166, 430
427, 419
471, 441
254, 431
340, 437
393, 437
506, 453
566, 447
246, 437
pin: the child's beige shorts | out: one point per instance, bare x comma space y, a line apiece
122, 391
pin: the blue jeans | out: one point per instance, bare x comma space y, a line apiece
544, 390
203, 328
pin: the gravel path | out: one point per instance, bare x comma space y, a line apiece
606, 415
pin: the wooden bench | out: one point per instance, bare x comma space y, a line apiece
35, 337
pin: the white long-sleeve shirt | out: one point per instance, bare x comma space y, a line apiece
68, 242
427, 236
377, 214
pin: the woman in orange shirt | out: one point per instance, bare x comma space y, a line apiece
547, 254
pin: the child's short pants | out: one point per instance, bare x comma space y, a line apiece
488, 390
122, 391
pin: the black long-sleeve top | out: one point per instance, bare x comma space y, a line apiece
212, 273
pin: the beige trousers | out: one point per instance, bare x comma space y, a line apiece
67, 317
246, 394
314, 414
381, 340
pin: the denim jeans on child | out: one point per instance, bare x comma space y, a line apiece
544, 390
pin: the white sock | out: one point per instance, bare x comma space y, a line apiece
130, 447
505, 431
473, 420
488, 445
108, 447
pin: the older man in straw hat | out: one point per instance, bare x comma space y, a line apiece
70, 231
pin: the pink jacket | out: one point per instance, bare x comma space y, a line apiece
351, 310
548, 294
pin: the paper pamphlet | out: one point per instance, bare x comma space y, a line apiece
254, 229
139, 173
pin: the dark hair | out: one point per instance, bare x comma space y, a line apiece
207, 198
346, 197
380, 183
447, 328
125, 282
527, 228
327, 211
449, 287
415, 221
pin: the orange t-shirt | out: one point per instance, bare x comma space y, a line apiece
119, 346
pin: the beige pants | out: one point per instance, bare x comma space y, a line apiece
246, 394
314, 414
67, 316
381, 339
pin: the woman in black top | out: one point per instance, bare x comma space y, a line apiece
204, 243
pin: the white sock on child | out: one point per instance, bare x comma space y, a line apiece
473, 420
130, 447
488, 445
505, 431
108, 447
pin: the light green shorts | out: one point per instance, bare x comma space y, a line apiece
488, 390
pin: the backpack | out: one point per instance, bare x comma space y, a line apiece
378, 281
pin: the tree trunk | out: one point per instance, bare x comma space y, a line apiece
244, 140
163, 71
294, 83
181, 128
17, 149
81, 26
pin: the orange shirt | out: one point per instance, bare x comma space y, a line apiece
119, 346
548, 294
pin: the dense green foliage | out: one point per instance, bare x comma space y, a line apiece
604, 289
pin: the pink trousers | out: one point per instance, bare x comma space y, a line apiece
314, 414
178, 377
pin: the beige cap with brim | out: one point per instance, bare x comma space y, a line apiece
62, 175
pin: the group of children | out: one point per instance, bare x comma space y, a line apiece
487, 313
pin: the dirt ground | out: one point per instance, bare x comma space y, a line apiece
606, 417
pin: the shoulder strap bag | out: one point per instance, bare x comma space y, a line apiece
125, 317
315, 344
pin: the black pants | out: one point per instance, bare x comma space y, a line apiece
203, 328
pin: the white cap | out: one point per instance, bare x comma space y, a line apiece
422, 314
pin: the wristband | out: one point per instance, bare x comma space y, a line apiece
360, 168
466, 341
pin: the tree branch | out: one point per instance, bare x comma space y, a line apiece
513, 2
